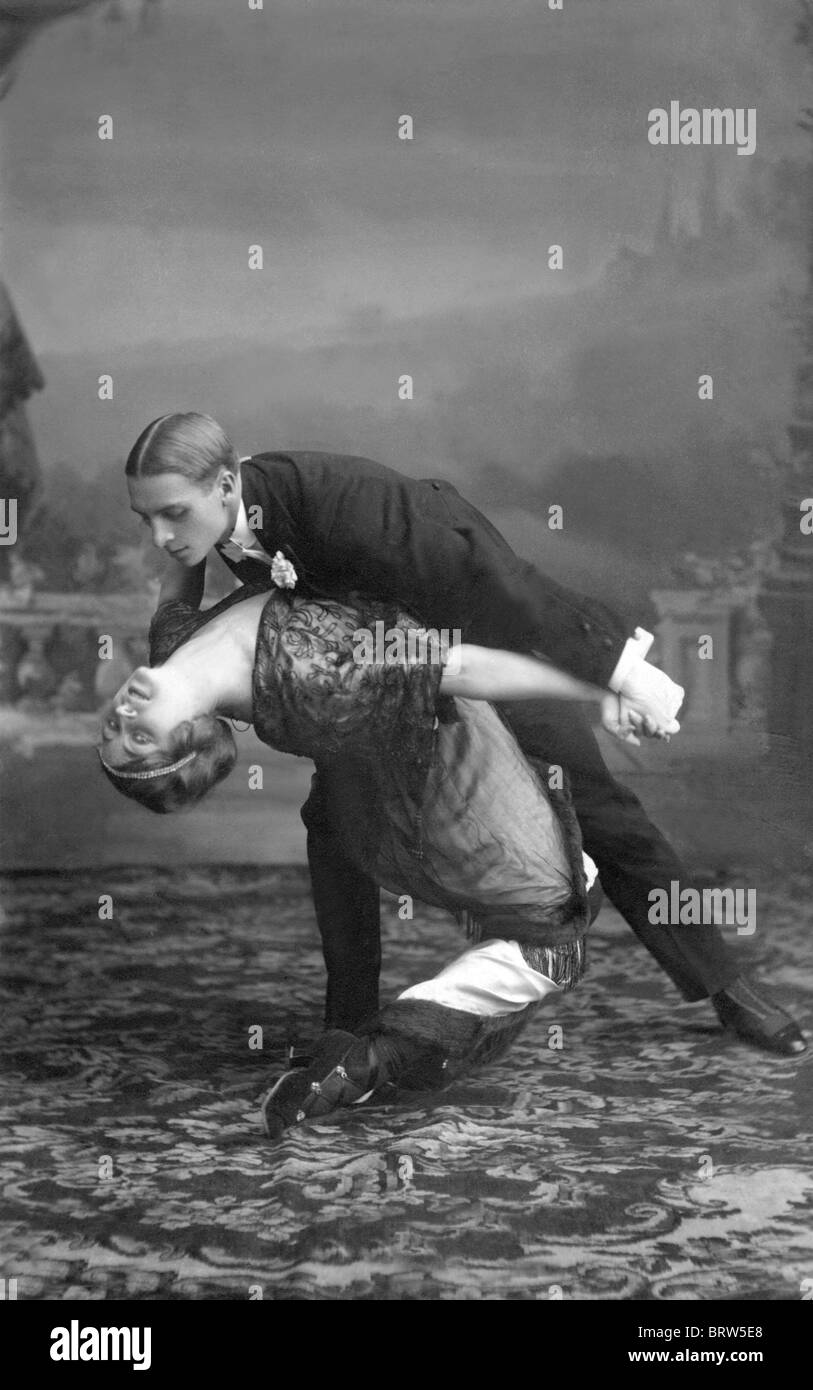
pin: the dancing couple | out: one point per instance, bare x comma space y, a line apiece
465, 776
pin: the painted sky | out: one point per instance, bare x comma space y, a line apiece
279, 127
233, 126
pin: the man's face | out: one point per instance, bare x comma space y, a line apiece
186, 518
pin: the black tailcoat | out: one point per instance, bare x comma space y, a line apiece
350, 523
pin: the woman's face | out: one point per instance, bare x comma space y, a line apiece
140, 718
185, 518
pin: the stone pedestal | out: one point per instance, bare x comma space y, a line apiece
723, 713
686, 617
786, 600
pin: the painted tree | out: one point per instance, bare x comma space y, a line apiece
20, 375
787, 600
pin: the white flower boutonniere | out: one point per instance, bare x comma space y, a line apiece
282, 571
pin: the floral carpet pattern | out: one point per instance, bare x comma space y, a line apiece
625, 1149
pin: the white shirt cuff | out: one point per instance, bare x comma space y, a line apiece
635, 650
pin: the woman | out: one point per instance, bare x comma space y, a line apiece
431, 793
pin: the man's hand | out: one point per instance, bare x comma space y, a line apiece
625, 719
643, 700
651, 692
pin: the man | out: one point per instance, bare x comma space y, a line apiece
346, 523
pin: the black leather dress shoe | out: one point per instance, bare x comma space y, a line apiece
756, 1018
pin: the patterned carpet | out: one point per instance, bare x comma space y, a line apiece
645, 1158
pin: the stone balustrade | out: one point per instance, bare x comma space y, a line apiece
53, 656
69, 651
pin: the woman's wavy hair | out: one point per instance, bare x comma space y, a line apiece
190, 444
209, 738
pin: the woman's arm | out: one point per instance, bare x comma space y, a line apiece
485, 673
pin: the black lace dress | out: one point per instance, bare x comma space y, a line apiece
433, 796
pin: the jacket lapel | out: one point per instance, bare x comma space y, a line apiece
276, 533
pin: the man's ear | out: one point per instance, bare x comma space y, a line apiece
228, 482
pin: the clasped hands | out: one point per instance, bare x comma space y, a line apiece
645, 704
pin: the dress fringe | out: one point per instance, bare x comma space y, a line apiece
564, 963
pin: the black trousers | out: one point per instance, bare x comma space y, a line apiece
632, 856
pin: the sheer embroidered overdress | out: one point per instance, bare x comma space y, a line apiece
432, 795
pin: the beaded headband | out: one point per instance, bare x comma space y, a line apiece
153, 771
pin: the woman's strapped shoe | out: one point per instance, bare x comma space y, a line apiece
343, 1071
415, 1044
